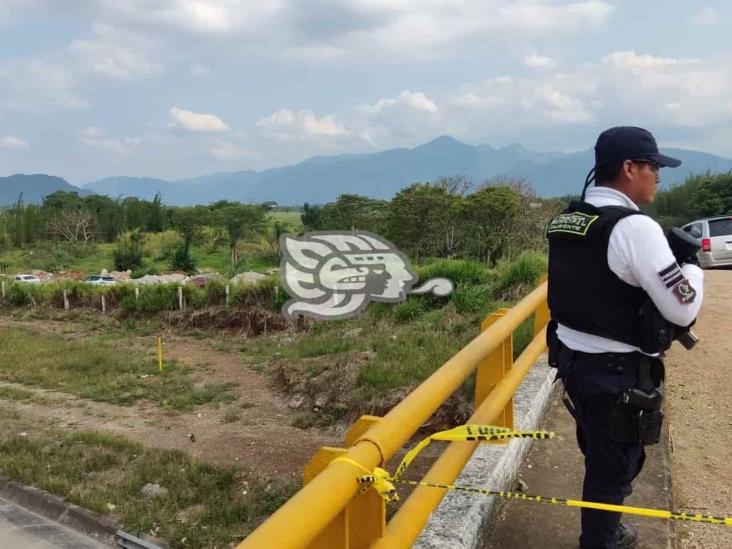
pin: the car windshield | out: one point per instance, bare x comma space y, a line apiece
720, 227
92, 278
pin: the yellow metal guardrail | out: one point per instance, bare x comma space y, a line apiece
329, 513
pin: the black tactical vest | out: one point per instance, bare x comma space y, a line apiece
584, 294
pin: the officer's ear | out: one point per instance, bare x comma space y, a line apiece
628, 169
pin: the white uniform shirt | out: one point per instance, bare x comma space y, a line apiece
639, 254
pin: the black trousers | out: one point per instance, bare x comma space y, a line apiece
594, 383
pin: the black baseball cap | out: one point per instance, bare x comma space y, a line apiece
630, 143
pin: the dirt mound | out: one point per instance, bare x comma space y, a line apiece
242, 321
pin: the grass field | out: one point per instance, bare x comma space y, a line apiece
201, 506
341, 369
50, 256
100, 370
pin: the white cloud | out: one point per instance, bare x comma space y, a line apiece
563, 108
412, 100
228, 151
197, 122
116, 54
99, 139
336, 29
33, 83
301, 124
12, 142
535, 61
639, 62
201, 17
707, 16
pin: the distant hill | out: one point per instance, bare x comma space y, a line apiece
321, 179
380, 175
33, 187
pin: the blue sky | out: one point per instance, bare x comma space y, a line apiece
180, 88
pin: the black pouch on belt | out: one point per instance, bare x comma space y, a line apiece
637, 417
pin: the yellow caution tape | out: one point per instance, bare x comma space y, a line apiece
468, 433
383, 483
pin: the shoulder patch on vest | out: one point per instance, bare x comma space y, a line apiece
684, 292
671, 275
576, 223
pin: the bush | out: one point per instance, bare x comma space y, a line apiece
523, 271
410, 309
153, 299
162, 245
457, 270
469, 298
182, 260
128, 253
139, 273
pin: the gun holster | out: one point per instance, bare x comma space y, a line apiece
637, 417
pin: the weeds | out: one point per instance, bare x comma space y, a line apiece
99, 371
204, 507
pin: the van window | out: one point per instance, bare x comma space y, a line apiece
720, 227
695, 230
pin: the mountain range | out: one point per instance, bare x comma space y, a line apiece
321, 179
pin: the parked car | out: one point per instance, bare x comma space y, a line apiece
100, 280
715, 236
27, 278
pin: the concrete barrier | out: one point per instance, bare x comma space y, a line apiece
460, 520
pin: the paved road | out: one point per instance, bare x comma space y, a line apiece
23, 529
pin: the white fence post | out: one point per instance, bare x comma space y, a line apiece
137, 294
66, 300
180, 297
104, 304
227, 295
3, 286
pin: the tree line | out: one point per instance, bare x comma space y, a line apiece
701, 195
450, 217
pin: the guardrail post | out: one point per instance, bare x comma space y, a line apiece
363, 521
367, 511
335, 535
541, 315
493, 368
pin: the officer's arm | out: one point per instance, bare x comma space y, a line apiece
639, 254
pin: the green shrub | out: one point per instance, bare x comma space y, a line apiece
523, 271
469, 298
153, 299
139, 273
128, 253
162, 245
20, 294
182, 260
409, 310
457, 270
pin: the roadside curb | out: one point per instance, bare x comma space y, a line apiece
58, 509
461, 519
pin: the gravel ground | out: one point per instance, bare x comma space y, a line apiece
699, 408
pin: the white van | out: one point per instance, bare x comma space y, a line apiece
715, 236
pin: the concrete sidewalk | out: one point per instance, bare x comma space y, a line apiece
24, 529
555, 468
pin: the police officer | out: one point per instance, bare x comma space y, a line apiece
616, 292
